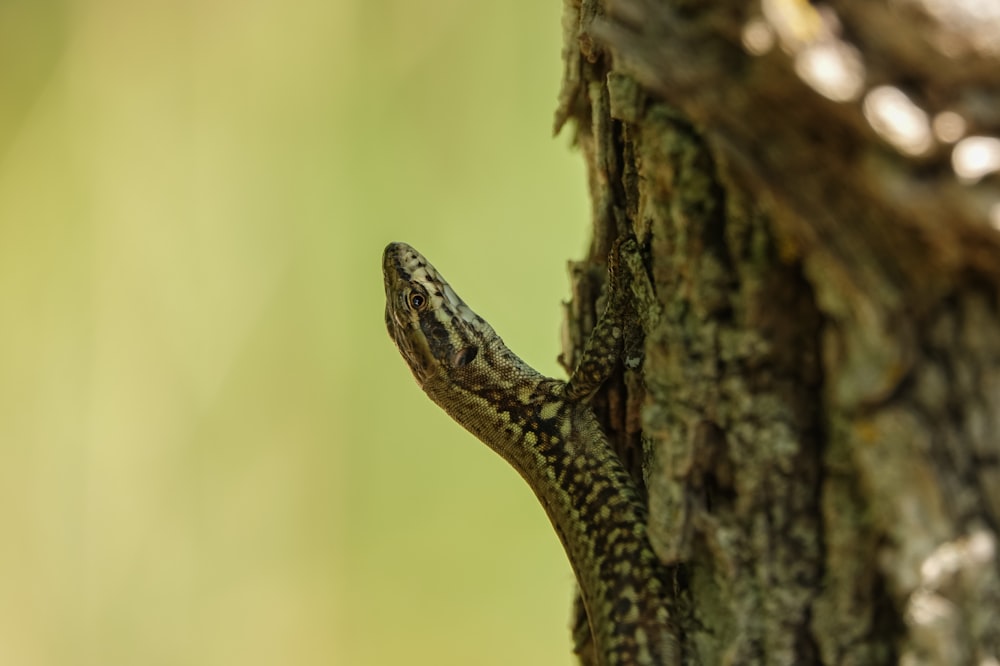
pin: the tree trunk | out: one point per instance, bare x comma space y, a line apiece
817, 419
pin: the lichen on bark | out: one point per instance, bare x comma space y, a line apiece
817, 417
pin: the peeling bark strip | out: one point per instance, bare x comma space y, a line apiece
821, 410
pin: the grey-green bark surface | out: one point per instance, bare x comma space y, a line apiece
817, 419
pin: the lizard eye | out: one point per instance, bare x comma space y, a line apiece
417, 301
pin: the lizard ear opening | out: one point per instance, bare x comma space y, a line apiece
464, 356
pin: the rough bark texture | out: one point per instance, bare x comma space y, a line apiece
819, 406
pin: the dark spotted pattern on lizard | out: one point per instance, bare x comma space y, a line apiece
546, 429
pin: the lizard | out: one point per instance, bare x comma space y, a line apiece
546, 429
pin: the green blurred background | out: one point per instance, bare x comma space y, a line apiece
210, 451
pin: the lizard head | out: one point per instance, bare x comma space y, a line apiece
435, 331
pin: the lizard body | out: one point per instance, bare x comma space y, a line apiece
546, 429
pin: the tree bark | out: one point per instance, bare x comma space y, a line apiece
817, 419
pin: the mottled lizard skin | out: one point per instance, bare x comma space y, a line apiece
545, 428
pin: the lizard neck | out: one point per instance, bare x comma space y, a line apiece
559, 448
